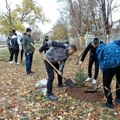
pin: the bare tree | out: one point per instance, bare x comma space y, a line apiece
106, 7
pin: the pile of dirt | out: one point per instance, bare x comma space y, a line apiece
79, 93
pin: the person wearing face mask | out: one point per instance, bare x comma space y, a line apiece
57, 55
28, 49
92, 46
45, 40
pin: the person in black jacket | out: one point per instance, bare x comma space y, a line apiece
45, 40
15, 45
92, 59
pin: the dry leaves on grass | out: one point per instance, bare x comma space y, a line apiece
19, 100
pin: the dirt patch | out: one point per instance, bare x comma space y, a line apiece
79, 93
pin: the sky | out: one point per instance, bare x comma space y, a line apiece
51, 11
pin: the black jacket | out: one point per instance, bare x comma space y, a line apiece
92, 51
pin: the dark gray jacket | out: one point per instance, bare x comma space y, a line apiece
27, 40
57, 53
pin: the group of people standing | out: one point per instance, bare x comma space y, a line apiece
22, 45
105, 55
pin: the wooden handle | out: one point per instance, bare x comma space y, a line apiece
34, 46
99, 85
48, 61
53, 67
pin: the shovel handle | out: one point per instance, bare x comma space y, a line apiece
99, 85
53, 66
34, 46
48, 61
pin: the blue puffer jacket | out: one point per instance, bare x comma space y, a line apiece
109, 55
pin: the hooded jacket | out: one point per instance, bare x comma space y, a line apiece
92, 50
14, 42
109, 55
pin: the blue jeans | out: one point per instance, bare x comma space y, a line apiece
29, 59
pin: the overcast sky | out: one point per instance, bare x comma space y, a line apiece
50, 8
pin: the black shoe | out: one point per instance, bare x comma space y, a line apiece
51, 96
28, 73
108, 105
61, 85
117, 101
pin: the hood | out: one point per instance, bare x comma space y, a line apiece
14, 36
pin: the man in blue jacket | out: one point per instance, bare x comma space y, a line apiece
109, 61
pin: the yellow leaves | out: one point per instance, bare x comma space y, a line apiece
28, 11
60, 31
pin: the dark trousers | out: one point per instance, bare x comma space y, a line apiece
14, 53
11, 54
21, 55
108, 74
95, 61
29, 59
50, 72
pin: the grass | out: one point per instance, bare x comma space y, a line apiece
4, 54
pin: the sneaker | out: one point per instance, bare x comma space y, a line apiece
52, 97
11, 62
94, 81
88, 79
108, 105
17, 63
117, 101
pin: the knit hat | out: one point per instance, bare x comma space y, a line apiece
28, 30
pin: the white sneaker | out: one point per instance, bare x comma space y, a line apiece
17, 63
11, 62
94, 81
88, 79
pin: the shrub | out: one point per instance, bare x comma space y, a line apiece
80, 77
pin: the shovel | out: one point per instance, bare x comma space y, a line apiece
68, 82
94, 90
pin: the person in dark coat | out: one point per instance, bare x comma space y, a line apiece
92, 46
15, 48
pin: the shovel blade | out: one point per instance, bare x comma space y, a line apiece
69, 83
91, 91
